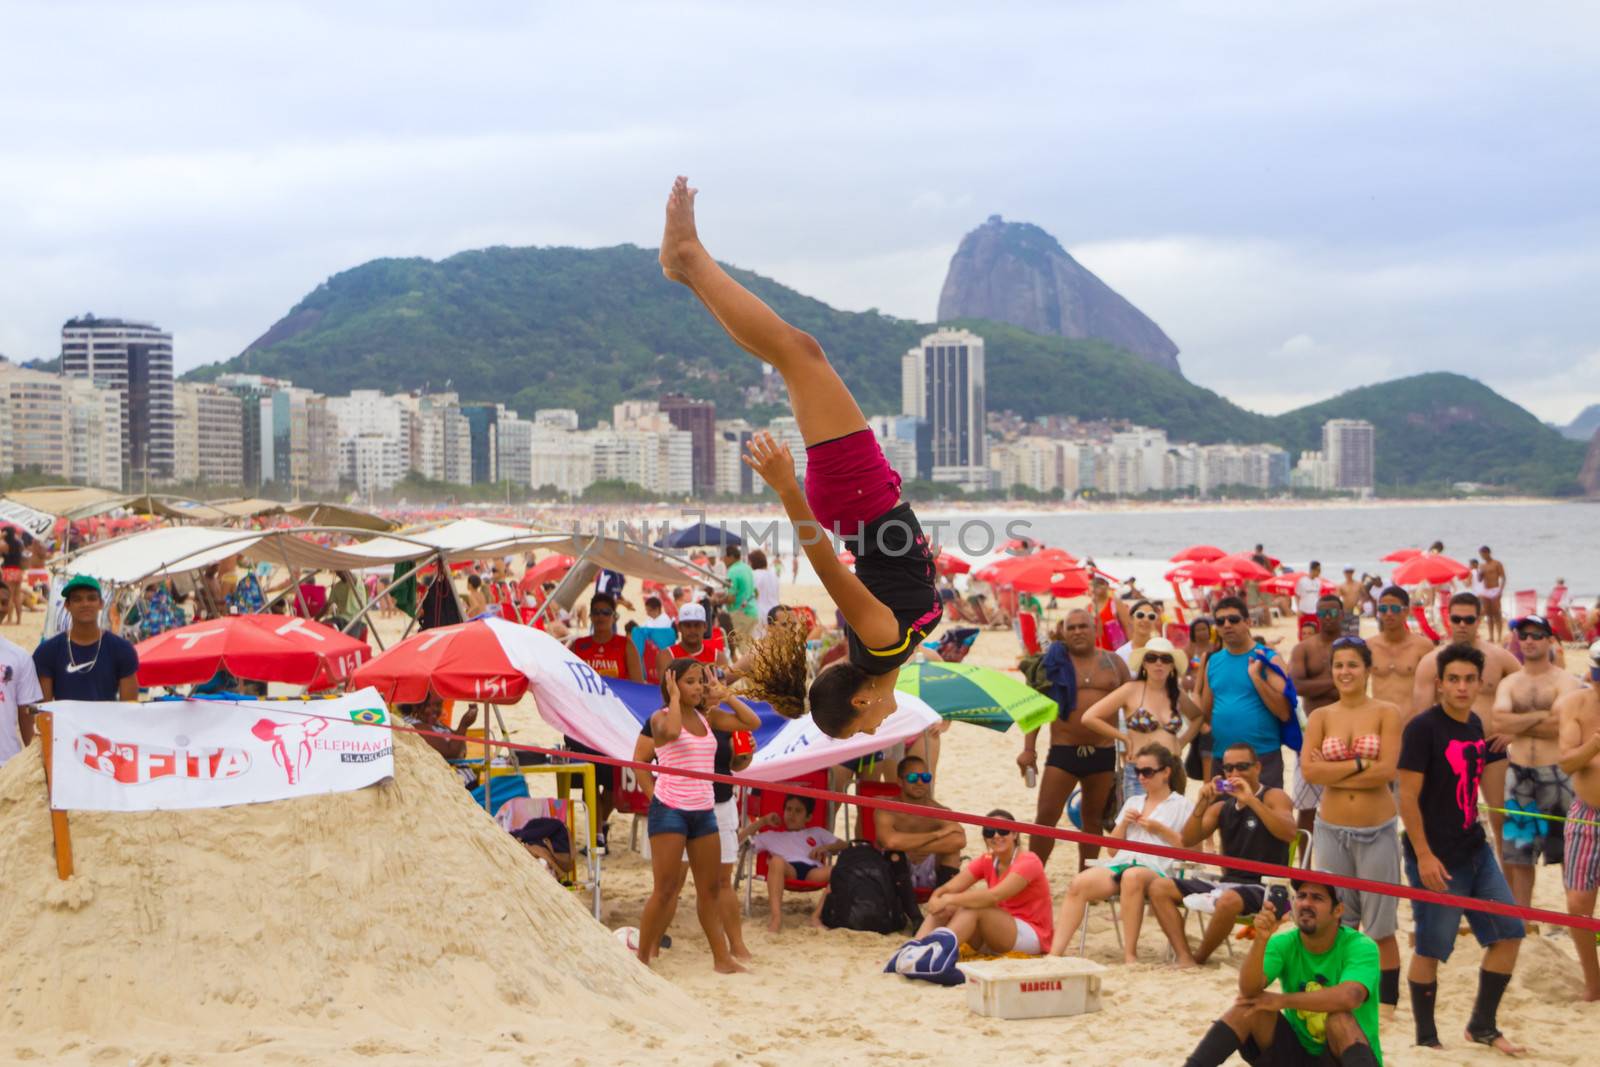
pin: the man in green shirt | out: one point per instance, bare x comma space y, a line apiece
1328, 1009
741, 595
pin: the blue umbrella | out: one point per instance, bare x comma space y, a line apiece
700, 533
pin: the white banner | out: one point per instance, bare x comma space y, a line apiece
38, 523
215, 753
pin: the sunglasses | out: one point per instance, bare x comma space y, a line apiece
1463, 620
1533, 635
1148, 616
601, 611
990, 832
1237, 768
1078, 626
1330, 613
1229, 620
1391, 609
1147, 772
1158, 658
919, 776
1349, 642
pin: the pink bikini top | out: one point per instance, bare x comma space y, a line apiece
1335, 750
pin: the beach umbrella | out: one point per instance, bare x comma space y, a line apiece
701, 533
262, 648
1039, 573
549, 569
1020, 545
462, 662
965, 692
1047, 559
1429, 570
947, 564
1402, 555
1198, 554
1243, 566
1203, 573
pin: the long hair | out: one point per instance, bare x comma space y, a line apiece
1174, 694
777, 671
675, 670
1168, 759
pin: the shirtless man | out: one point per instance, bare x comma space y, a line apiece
1466, 611
932, 847
1524, 712
1311, 667
1077, 754
1579, 714
1350, 591
1396, 651
1493, 576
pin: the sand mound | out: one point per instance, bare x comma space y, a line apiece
397, 918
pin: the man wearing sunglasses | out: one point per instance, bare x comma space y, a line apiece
932, 846
1465, 613
1579, 712
1524, 711
1396, 651
1311, 668
1243, 695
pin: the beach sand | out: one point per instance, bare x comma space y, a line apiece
813, 995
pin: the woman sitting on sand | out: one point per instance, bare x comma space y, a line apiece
1352, 750
682, 810
1009, 911
889, 603
1156, 818
1152, 708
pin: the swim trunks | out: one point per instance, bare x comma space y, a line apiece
1080, 761
1543, 791
1581, 867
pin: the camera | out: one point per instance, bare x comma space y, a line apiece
1221, 785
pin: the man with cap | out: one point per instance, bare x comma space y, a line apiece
85, 662
1524, 712
1350, 596
19, 691
1579, 714
692, 643
1328, 1007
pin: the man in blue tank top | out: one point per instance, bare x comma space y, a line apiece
1243, 695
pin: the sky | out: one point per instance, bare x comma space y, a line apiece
1306, 197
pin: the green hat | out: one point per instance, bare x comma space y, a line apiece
82, 581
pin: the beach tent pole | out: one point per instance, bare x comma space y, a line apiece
59, 827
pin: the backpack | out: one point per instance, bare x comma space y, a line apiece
862, 894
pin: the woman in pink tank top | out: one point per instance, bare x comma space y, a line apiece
681, 816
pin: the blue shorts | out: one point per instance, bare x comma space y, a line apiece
688, 824
1478, 876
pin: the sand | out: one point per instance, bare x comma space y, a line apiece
186, 885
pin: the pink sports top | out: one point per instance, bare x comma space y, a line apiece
1365, 747
690, 752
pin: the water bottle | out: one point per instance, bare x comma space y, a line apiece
1031, 776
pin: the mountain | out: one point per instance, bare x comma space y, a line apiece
1015, 272
562, 327
1583, 427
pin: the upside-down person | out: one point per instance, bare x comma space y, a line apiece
889, 604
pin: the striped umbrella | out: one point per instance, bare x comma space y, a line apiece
965, 692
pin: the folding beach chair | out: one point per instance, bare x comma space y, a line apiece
762, 802
1028, 633
1527, 602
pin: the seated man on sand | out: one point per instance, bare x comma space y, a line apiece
930, 846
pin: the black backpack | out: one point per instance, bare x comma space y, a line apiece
862, 893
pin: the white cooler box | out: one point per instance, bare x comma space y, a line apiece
1033, 988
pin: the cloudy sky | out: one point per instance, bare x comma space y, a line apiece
1306, 197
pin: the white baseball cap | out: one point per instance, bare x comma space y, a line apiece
692, 613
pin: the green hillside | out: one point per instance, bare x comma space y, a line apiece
586, 328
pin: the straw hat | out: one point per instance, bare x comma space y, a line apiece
1161, 647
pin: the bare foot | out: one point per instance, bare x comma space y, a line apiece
680, 243
1129, 961
1185, 965
816, 920
729, 966
774, 924
743, 955
1501, 1044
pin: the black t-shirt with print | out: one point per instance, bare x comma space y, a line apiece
1450, 755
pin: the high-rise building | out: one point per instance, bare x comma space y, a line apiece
513, 448
134, 358
1349, 448
208, 436
949, 368
561, 459
734, 476
67, 428
697, 418
254, 392
484, 441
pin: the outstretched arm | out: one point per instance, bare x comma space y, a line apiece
868, 616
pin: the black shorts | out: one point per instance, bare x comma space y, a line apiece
798, 871
1250, 896
1285, 1050
1080, 761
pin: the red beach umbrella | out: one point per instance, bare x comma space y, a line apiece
1402, 555
947, 564
1429, 570
262, 648
1198, 554
461, 662
549, 569
1245, 567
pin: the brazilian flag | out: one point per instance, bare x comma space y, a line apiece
369, 716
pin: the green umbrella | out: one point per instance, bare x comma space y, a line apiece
965, 692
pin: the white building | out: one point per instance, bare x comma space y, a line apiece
661, 461
734, 477
135, 359
67, 428
208, 437
374, 462
513, 447
1043, 464
441, 439
561, 459
1349, 447
562, 419
1147, 450
943, 381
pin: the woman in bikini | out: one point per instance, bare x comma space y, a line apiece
889, 604
1152, 708
1352, 750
